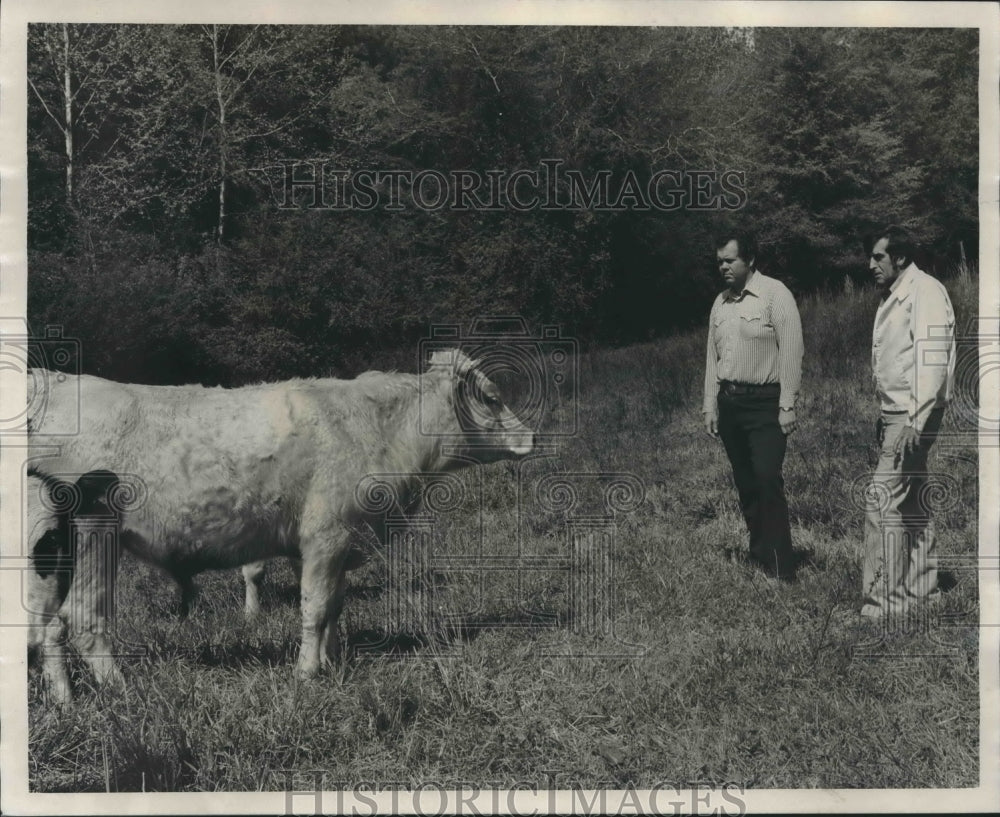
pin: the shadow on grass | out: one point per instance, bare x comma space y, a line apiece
242, 645
372, 642
447, 636
275, 597
237, 655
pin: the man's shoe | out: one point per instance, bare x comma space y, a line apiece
736, 556
786, 574
872, 611
876, 612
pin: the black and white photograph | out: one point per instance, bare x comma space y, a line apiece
457, 408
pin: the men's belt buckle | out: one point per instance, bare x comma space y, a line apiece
749, 388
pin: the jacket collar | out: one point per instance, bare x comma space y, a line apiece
901, 288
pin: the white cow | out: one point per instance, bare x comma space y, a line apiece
72, 564
234, 476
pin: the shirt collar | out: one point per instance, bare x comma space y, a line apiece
751, 286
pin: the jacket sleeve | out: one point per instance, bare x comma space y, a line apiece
932, 322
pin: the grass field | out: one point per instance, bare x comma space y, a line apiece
706, 671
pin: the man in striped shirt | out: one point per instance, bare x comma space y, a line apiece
752, 375
913, 362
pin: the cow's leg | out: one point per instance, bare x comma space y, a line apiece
189, 593
91, 600
54, 661
44, 600
47, 634
316, 587
322, 574
330, 654
97, 651
49, 578
253, 578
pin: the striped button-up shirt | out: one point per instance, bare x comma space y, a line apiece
755, 337
913, 347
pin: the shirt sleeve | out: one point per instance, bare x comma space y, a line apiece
933, 327
788, 333
711, 366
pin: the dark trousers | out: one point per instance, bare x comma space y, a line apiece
755, 444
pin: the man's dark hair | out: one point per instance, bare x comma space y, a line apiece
746, 244
900, 242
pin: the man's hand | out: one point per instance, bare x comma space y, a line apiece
712, 423
786, 419
907, 442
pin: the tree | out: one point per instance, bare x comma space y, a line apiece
157, 156
71, 77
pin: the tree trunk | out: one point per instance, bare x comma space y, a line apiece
68, 108
221, 228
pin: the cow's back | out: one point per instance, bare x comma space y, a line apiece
123, 426
219, 474
209, 465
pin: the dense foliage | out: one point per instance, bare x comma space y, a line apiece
159, 156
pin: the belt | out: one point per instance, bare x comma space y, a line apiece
728, 387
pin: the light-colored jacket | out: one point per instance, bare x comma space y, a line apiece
913, 347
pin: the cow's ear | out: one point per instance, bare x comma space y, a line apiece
437, 359
450, 358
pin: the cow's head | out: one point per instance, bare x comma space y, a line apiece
481, 425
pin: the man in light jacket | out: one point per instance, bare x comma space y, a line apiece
913, 362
